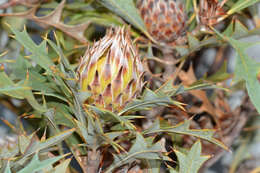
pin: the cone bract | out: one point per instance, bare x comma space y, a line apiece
164, 19
111, 71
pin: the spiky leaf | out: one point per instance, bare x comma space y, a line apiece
192, 161
184, 129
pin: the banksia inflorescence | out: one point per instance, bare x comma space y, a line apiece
111, 71
210, 12
164, 19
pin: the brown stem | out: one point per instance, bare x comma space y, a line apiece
168, 55
93, 161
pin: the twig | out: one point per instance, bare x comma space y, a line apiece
93, 161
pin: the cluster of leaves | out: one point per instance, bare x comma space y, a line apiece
44, 75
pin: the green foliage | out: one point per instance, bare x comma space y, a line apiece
184, 129
240, 5
37, 165
21, 92
27, 146
127, 10
247, 69
191, 161
141, 134
39, 54
139, 150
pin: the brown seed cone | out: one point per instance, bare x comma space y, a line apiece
210, 12
164, 19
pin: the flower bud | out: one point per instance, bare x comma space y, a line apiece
111, 71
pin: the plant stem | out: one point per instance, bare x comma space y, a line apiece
168, 55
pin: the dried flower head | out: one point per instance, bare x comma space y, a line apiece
164, 19
210, 12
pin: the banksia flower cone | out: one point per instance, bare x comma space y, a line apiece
164, 19
111, 71
210, 12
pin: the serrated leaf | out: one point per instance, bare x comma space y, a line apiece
184, 129
62, 114
139, 150
88, 137
37, 146
240, 30
191, 162
37, 165
150, 99
26, 93
220, 75
39, 54
24, 141
110, 116
55, 139
5, 81
127, 10
236, 30
247, 69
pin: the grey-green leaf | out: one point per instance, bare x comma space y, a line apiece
247, 69
127, 10
184, 129
7, 169
37, 165
39, 54
191, 162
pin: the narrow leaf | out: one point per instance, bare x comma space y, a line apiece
184, 129
7, 168
139, 150
240, 5
37, 165
62, 167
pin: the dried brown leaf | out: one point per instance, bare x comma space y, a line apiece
54, 19
189, 78
10, 3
